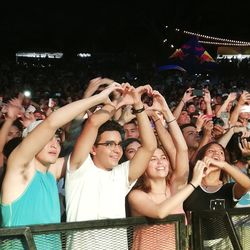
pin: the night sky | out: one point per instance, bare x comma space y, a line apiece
137, 27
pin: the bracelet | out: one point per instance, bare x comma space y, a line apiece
183, 101
137, 111
171, 121
192, 185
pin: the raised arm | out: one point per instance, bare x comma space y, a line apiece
245, 97
181, 168
88, 135
163, 134
13, 110
207, 99
139, 162
231, 97
186, 97
40, 136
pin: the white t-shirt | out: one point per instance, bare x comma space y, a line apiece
93, 193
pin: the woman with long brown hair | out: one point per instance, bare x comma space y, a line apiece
163, 187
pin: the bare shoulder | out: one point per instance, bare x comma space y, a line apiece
137, 194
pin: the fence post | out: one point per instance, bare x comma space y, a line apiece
29, 239
231, 232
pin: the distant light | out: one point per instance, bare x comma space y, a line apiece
177, 29
172, 46
165, 40
56, 55
27, 93
239, 56
166, 26
84, 55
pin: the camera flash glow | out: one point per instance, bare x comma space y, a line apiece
27, 93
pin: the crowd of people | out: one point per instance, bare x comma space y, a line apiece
80, 154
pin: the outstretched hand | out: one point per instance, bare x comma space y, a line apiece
108, 90
213, 165
27, 119
94, 85
14, 109
188, 95
198, 173
159, 102
132, 95
244, 146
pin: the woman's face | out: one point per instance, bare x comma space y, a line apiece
216, 152
158, 165
131, 149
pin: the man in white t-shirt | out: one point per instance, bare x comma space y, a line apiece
96, 185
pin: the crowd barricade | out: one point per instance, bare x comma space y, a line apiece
208, 230
220, 229
117, 234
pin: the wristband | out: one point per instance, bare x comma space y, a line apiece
137, 111
192, 185
171, 121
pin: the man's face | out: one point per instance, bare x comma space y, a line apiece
107, 156
131, 149
49, 154
131, 131
191, 137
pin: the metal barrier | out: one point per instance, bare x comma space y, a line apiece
133, 233
221, 229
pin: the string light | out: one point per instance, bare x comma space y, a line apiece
225, 44
215, 38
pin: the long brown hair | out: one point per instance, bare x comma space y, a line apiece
202, 151
143, 182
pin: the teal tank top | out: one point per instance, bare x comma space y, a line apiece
39, 203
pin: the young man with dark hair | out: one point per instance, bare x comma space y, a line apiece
131, 129
34, 166
191, 137
96, 185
